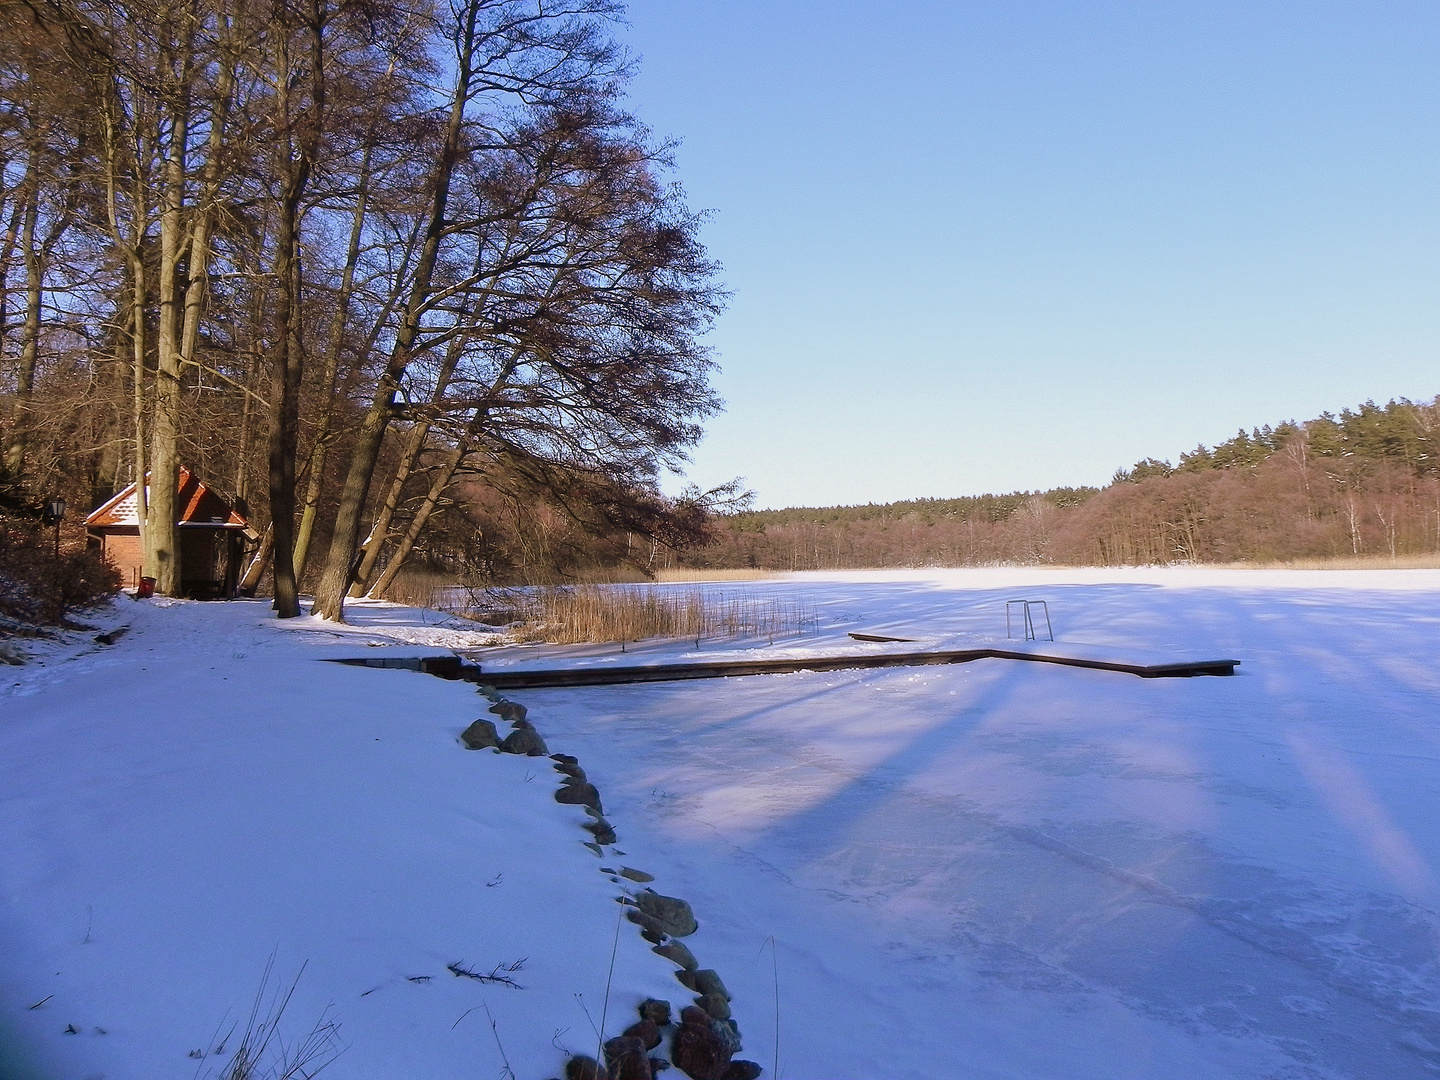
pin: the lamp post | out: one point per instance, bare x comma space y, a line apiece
55, 509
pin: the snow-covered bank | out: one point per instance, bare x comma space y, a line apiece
201, 796
993, 870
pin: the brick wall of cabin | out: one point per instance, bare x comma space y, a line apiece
125, 552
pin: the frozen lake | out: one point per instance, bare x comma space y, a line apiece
996, 869
1029, 871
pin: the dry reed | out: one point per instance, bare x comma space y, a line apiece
418, 587
423, 587
684, 573
597, 613
1430, 561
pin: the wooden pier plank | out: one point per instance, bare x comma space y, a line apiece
609, 676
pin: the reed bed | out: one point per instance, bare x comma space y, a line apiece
599, 613
685, 573
420, 587
1429, 561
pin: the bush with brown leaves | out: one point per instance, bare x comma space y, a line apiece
39, 588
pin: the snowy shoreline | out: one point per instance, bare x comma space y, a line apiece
1009, 874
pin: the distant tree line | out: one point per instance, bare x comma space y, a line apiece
1365, 482
390, 274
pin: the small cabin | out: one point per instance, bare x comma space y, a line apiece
212, 534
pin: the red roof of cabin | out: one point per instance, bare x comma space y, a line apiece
198, 506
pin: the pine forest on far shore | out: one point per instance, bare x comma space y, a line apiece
1365, 483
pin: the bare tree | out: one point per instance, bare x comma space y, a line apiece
245, 210
509, 54
298, 127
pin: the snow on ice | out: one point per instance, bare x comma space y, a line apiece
990, 870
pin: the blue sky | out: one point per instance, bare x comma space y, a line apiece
996, 246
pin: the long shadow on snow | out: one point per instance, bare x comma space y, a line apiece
1344, 978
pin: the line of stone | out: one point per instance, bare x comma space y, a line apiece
704, 1042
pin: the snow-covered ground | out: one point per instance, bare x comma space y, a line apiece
989, 870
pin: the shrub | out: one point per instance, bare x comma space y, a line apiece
38, 587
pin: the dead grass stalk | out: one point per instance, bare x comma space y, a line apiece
1430, 561
570, 615
632, 613
682, 574
418, 587
263, 1054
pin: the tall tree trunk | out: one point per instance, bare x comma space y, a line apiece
112, 378
7, 253
414, 444
446, 470
139, 402
409, 454
30, 332
185, 249
333, 346
288, 369
119, 142
241, 484
335, 342
184, 242
443, 475
380, 530
340, 565
258, 563
162, 561
296, 163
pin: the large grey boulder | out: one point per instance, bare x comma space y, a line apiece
479, 735
601, 829
672, 914
715, 1005
707, 981
677, 953
579, 793
524, 741
508, 710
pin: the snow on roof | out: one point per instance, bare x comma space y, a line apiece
199, 504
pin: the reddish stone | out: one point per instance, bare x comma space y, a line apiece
625, 1056
647, 1031
696, 1050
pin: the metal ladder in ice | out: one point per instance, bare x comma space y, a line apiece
1026, 619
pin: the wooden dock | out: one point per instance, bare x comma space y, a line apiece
503, 679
